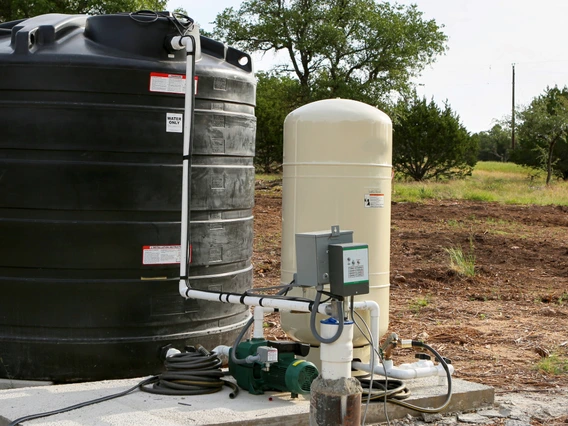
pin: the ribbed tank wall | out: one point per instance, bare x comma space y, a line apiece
90, 183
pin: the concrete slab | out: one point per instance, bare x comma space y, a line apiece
143, 409
427, 392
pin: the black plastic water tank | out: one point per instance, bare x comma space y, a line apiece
90, 195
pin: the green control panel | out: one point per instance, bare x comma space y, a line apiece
348, 269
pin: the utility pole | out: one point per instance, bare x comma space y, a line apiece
513, 112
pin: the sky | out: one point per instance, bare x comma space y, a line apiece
485, 37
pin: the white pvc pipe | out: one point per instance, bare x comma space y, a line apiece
258, 314
371, 305
264, 301
189, 43
283, 305
336, 357
404, 373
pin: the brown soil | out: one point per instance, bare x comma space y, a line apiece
495, 326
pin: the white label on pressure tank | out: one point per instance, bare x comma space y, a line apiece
174, 122
161, 255
374, 201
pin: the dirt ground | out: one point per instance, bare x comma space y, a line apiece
496, 326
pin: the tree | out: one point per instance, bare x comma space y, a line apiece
11, 10
494, 145
276, 98
357, 49
430, 142
542, 140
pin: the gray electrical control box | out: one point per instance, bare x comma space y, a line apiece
312, 257
349, 269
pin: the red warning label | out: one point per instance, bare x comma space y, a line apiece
169, 83
161, 255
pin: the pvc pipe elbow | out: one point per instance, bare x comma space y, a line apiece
222, 350
182, 288
368, 305
181, 42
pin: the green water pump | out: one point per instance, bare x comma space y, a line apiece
275, 368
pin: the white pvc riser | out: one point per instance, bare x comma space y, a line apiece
336, 357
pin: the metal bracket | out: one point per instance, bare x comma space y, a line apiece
334, 230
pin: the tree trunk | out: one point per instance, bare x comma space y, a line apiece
549, 162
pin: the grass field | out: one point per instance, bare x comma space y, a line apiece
506, 183
491, 181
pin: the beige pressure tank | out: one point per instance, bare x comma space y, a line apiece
337, 171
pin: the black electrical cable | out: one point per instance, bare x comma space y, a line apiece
369, 338
281, 295
187, 373
181, 22
80, 405
287, 287
148, 13
181, 27
255, 291
292, 284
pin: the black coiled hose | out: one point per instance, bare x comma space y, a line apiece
187, 373
190, 373
389, 389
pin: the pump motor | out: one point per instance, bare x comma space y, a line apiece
287, 374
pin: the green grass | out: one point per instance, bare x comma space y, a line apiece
462, 263
418, 304
554, 364
269, 177
498, 167
491, 181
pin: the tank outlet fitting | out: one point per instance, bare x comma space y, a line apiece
172, 352
191, 38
